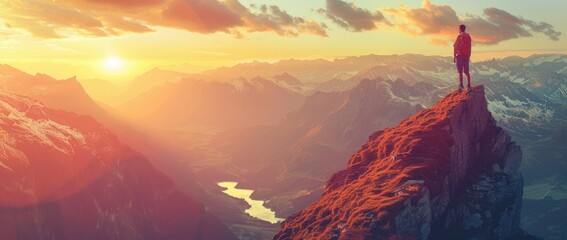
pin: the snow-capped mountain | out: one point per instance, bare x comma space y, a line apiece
65, 94
69, 95
524, 96
64, 176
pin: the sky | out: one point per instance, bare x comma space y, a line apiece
119, 39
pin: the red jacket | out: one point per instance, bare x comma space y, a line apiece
462, 46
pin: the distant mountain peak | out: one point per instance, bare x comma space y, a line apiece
159, 72
448, 172
287, 79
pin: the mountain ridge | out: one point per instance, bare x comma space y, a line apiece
65, 176
424, 179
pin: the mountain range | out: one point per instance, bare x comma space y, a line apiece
223, 105
65, 176
283, 128
516, 98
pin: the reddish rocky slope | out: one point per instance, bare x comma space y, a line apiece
64, 176
448, 172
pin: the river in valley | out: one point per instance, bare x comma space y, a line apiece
257, 208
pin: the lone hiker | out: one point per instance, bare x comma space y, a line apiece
462, 55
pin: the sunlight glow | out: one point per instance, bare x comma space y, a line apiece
113, 64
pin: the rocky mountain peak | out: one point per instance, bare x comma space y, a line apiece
287, 79
65, 176
448, 172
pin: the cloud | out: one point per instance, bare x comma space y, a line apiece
6, 35
127, 3
440, 23
351, 17
126, 25
99, 18
500, 25
204, 16
430, 19
271, 18
44, 19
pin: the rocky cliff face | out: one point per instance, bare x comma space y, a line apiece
448, 172
64, 176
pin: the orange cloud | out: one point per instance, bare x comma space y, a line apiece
127, 3
55, 19
351, 17
500, 25
46, 19
202, 16
272, 18
440, 22
117, 22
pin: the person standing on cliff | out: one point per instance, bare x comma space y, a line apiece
462, 55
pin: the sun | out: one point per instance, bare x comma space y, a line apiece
113, 64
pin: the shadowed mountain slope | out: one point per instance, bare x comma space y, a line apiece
64, 176
448, 172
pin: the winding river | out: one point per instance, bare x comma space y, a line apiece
257, 208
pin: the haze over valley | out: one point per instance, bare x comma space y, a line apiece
253, 120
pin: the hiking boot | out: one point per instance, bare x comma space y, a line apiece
460, 87
469, 87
